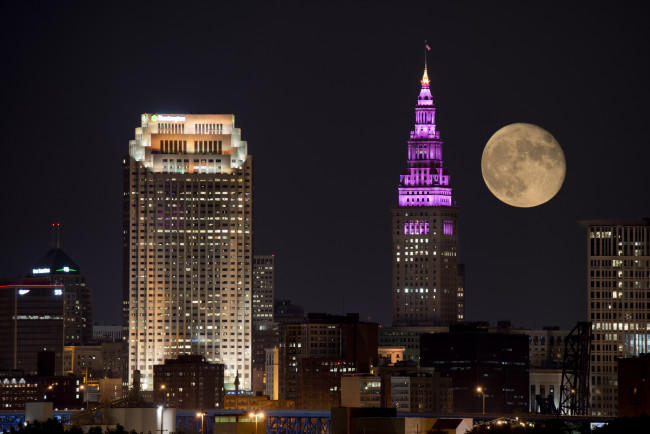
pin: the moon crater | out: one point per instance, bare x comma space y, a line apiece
523, 165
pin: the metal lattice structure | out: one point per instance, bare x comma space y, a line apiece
298, 424
574, 391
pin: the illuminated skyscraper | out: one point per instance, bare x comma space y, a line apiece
426, 289
188, 208
618, 276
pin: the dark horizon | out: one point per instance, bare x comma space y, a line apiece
325, 97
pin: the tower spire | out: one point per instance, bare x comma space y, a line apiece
425, 76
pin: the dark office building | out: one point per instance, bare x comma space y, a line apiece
285, 311
265, 330
31, 320
473, 358
314, 354
633, 388
189, 382
59, 269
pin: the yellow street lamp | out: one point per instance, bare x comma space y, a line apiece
256, 415
85, 392
482, 392
201, 414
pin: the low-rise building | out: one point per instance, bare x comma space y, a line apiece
633, 388
361, 391
390, 355
256, 403
544, 390
16, 389
474, 358
315, 353
407, 337
189, 382
405, 387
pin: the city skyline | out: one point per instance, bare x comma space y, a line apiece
325, 98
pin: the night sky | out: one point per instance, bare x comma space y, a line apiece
325, 95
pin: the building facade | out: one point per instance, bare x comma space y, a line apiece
188, 213
59, 269
285, 311
618, 292
32, 324
407, 337
314, 354
17, 389
426, 289
263, 290
633, 388
93, 362
189, 382
472, 357
410, 390
107, 333
265, 330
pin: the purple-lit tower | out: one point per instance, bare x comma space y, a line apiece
427, 281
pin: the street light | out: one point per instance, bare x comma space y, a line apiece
85, 392
482, 392
162, 395
256, 415
201, 414
162, 412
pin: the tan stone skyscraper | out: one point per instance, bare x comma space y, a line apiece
188, 211
618, 292
427, 290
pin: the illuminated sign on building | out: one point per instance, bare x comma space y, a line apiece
66, 269
58, 292
23, 291
40, 270
164, 118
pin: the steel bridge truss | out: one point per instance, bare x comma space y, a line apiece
297, 424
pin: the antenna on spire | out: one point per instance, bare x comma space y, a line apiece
58, 234
53, 236
425, 76
426, 48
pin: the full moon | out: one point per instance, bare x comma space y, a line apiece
523, 165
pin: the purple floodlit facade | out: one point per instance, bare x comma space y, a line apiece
425, 182
427, 284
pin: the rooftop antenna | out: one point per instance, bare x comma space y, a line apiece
56, 236
426, 48
425, 76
